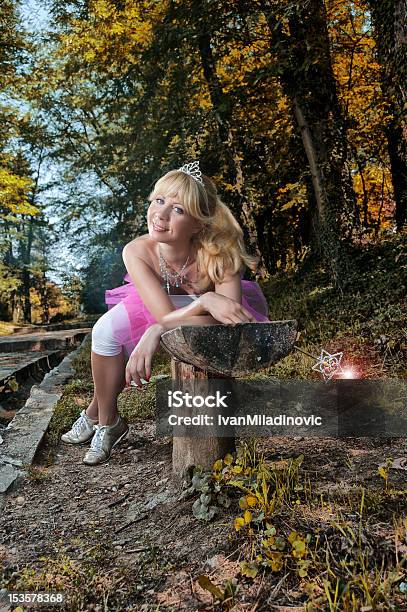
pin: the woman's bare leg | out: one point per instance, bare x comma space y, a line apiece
92, 410
109, 380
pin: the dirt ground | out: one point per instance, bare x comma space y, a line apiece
127, 512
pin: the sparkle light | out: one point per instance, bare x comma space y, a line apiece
349, 373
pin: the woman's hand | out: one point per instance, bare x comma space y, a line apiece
139, 363
225, 310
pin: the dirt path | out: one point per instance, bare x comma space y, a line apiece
123, 520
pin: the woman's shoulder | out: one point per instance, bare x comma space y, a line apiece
142, 247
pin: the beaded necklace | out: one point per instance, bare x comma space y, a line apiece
171, 279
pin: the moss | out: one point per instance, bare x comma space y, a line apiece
135, 404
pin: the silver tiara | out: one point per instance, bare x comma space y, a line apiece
193, 170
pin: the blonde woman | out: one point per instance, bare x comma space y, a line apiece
185, 271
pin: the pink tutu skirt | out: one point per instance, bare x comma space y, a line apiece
128, 333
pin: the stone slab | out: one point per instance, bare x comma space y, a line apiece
50, 340
19, 363
33, 329
23, 436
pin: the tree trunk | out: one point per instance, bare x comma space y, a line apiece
17, 310
217, 354
390, 25
308, 81
191, 452
26, 276
43, 291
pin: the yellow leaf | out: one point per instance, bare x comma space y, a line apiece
383, 472
247, 517
239, 523
251, 501
276, 561
13, 384
248, 569
292, 537
207, 584
217, 466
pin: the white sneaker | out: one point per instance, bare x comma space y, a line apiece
82, 430
105, 439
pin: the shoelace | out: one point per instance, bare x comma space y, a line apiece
78, 425
97, 439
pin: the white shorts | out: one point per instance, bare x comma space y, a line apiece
112, 332
103, 338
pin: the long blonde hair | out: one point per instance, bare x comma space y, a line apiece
219, 244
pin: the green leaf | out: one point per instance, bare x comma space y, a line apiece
238, 484
224, 500
243, 503
205, 499
259, 518
249, 569
203, 512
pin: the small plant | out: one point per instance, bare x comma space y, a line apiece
265, 486
225, 595
383, 471
212, 495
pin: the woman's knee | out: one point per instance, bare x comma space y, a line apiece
103, 340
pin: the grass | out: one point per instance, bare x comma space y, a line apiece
89, 573
335, 563
78, 393
366, 320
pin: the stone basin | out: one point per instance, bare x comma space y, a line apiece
231, 350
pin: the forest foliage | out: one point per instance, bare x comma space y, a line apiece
296, 109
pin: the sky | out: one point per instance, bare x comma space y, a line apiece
36, 18
35, 15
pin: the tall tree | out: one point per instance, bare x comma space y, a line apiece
200, 21
390, 26
15, 179
300, 43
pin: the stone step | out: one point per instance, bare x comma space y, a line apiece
23, 436
22, 365
19, 330
43, 341
27, 329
